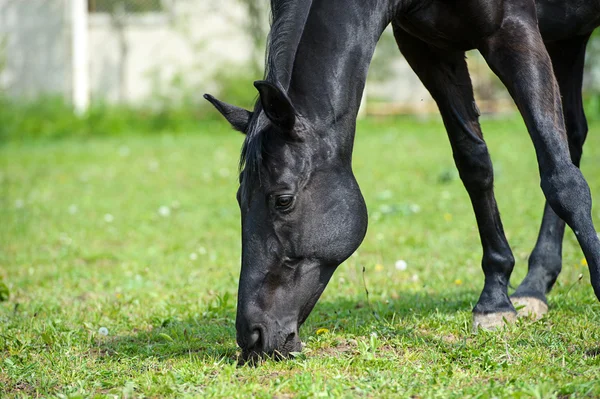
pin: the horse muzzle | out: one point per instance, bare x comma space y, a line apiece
261, 341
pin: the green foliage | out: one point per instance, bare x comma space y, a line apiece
175, 107
53, 117
123, 255
257, 27
591, 87
4, 291
130, 6
237, 88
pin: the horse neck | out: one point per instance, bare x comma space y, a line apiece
332, 60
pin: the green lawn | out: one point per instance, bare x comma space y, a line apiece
138, 236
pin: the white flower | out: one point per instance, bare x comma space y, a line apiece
401, 265
153, 165
19, 204
164, 211
124, 151
108, 218
65, 239
202, 251
73, 209
415, 208
103, 331
415, 277
193, 256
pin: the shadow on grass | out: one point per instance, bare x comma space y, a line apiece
413, 304
204, 338
212, 336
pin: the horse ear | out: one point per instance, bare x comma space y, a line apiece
236, 116
276, 104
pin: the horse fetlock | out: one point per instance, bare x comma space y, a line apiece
498, 265
544, 269
547, 257
493, 299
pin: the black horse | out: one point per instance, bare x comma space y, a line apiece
302, 211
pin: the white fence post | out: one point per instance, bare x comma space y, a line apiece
80, 55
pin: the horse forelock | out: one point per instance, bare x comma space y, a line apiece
251, 157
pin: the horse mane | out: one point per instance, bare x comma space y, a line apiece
288, 19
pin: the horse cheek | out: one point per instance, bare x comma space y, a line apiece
338, 231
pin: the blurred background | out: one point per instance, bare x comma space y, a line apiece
146, 63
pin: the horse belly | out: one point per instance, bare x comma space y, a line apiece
562, 19
453, 25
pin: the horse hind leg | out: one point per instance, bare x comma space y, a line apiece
518, 56
545, 262
446, 76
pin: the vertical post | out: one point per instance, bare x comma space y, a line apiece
80, 54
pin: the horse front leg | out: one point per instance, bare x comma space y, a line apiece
446, 76
518, 56
545, 262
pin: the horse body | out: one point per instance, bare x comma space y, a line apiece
302, 211
565, 19
462, 25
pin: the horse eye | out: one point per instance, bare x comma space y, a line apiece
284, 202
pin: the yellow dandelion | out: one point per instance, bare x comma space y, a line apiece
584, 262
322, 331
378, 267
458, 281
448, 217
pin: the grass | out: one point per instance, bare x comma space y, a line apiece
139, 237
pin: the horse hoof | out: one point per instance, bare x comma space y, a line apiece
530, 307
492, 321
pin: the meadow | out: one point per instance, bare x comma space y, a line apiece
119, 260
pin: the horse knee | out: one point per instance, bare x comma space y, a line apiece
475, 167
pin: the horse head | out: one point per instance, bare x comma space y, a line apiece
302, 215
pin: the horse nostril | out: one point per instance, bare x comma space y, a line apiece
255, 339
290, 337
